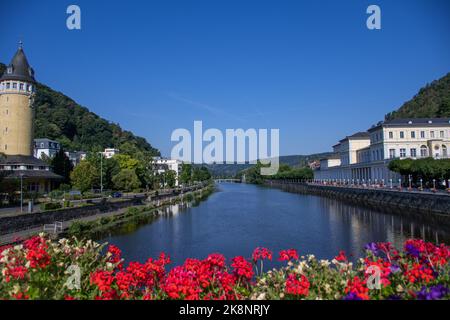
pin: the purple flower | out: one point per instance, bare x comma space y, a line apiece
412, 250
395, 268
352, 296
372, 247
434, 293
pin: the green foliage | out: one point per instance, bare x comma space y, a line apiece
50, 206
200, 174
170, 177
84, 175
253, 175
186, 173
126, 180
62, 165
432, 101
426, 169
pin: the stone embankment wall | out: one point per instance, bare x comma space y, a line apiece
434, 208
21, 222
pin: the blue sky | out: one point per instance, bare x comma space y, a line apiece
310, 68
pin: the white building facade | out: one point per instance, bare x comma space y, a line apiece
162, 165
365, 156
46, 147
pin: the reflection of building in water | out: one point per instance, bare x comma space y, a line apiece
384, 227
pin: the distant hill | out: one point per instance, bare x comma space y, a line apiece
231, 170
432, 101
60, 118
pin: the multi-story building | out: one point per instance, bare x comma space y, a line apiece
46, 147
76, 157
366, 155
110, 152
17, 91
161, 165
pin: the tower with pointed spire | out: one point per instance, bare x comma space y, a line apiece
17, 90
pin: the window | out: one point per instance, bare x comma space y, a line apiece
14, 85
8, 85
441, 134
391, 153
9, 70
413, 134
432, 134
423, 151
402, 135
391, 135
422, 134
444, 151
21, 87
402, 153
413, 152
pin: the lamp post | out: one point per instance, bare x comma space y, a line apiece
434, 184
421, 184
101, 172
410, 182
21, 192
390, 182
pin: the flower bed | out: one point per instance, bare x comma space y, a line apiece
43, 269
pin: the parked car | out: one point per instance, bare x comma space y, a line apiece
116, 194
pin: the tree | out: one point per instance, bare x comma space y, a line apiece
170, 178
62, 165
84, 176
126, 180
186, 173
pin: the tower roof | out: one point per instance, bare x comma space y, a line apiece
19, 68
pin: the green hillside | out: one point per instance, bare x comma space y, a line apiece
295, 161
432, 101
60, 118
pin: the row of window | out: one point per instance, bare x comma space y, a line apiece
422, 134
18, 167
20, 86
423, 152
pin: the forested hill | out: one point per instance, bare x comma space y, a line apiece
432, 101
60, 118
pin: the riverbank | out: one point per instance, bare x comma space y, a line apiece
14, 228
134, 216
430, 208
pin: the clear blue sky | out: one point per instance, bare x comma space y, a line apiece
310, 68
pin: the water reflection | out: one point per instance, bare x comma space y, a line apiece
240, 217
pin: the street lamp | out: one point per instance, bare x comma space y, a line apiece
21, 192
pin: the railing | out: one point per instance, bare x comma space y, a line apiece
54, 228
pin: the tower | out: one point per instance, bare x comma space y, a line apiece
17, 90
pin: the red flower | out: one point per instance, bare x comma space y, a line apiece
358, 288
297, 285
261, 253
289, 254
242, 268
341, 256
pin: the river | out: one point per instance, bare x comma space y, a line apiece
240, 217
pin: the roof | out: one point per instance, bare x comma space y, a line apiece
412, 122
47, 144
19, 68
22, 160
27, 174
358, 135
334, 156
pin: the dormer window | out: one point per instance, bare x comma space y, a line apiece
9, 70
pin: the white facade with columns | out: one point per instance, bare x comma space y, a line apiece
366, 155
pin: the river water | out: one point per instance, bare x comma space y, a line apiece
240, 217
